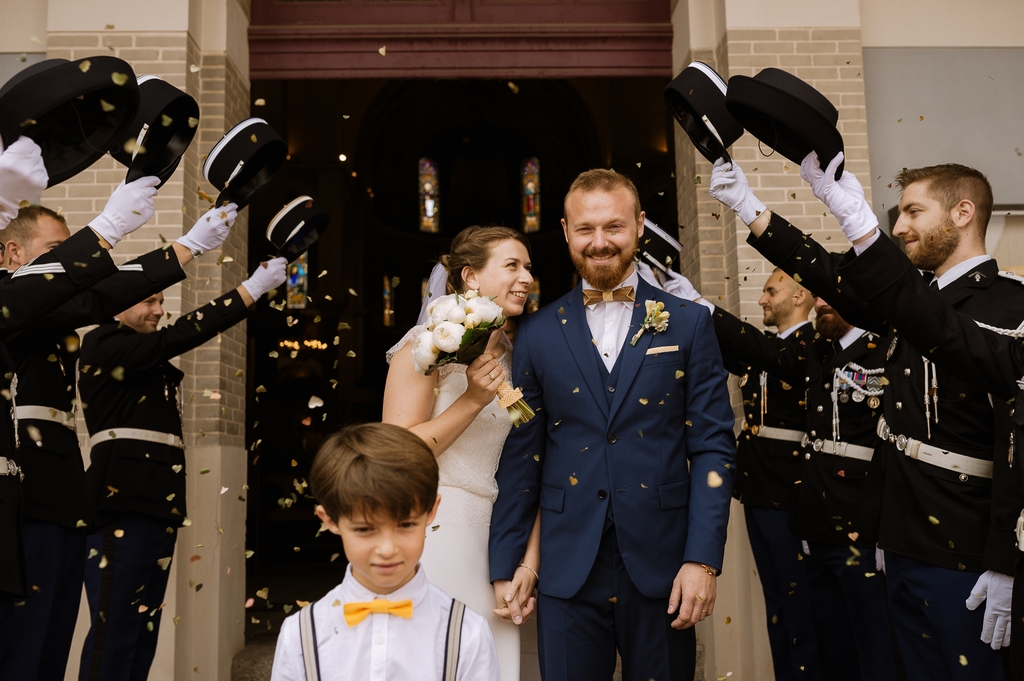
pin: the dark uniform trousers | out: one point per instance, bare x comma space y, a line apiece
33, 292
609, 603
766, 469
136, 486
989, 360
39, 631
938, 519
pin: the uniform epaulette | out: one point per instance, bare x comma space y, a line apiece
1011, 275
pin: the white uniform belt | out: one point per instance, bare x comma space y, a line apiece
64, 418
8, 467
136, 434
784, 434
844, 449
936, 456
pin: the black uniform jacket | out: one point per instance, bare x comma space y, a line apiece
765, 467
127, 381
989, 360
827, 487
928, 513
33, 292
45, 357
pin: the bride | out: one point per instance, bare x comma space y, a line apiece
455, 411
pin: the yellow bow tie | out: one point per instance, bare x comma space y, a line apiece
357, 612
623, 294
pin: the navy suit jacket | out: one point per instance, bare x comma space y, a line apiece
647, 454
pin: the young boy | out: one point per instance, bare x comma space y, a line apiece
377, 488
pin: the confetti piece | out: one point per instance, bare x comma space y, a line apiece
933, 520
193, 121
223, 490
714, 479
117, 373
572, 481
287, 608
575, 390
260, 102
103, 562
643, 400
119, 78
193, 68
250, 553
119, 533
383, 50
108, 107
352, 291
204, 471
84, 66
963, 660
252, 138
728, 620
263, 593
680, 373
315, 402
92, 552
249, 602
260, 389
350, 353
334, 557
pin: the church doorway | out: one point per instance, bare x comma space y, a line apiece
402, 166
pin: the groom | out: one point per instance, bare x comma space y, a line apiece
629, 458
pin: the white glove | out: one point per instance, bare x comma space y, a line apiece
844, 199
127, 209
680, 286
879, 560
22, 177
268, 275
729, 186
996, 589
210, 230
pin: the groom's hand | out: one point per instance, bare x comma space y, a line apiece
514, 599
693, 595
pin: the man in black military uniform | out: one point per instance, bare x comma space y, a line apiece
841, 370
136, 481
38, 634
26, 296
931, 476
992, 359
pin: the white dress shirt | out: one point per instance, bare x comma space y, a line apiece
957, 271
386, 647
788, 332
849, 337
609, 322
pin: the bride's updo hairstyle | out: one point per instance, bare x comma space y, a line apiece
472, 248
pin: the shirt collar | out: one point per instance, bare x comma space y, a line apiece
957, 271
416, 590
631, 280
850, 336
790, 330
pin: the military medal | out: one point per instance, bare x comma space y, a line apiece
892, 347
858, 397
873, 402
844, 397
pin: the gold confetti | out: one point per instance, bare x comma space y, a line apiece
383, 50
119, 78
193, 68
352, 291
118, 533
193, 121
643, 400
117, 373
84, 66
575, 390
252, 138
263, 593
963, 660
513, 87
933, 520
728, 620
315, 402
680, 373
350, 353
572, 481
260, 102
166, 120
714, 479
107, 107
103, 562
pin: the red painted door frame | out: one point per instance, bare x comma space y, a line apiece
459, 39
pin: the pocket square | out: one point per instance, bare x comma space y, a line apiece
662, 348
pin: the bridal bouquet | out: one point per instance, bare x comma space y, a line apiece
457, 333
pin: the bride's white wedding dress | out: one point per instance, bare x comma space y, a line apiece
455, 553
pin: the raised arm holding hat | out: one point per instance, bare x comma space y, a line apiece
22, 177
136, 481
938, 434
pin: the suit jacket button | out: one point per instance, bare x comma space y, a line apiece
601, 494
611, 439
611, 388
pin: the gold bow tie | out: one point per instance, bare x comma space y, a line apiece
623, 294
357, 612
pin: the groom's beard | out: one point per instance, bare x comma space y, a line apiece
604, 277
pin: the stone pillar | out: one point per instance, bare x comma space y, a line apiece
199, 46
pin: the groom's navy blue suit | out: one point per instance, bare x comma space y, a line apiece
618, 463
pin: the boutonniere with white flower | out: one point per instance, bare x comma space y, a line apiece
656, 320
457, 333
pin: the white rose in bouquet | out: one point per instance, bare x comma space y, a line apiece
424, 352
456, 314
483, 308
439, 310
472, 320
447, 336
471, 294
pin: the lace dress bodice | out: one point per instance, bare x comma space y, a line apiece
467, 467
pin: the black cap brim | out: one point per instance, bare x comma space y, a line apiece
296, 227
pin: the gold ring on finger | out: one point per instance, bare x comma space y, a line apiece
699, 598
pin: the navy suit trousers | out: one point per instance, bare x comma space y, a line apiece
852, 611
36, 631
787, 594
121, 645
578, 636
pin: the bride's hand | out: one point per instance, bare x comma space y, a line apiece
515, 600
484, 376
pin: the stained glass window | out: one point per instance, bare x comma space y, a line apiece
298, 276
429, 221
531, 194
533, 297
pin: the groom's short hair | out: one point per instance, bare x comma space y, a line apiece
377, 469
605, 180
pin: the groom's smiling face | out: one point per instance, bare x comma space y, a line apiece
603, 233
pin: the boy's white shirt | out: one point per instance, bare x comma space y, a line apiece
386, 647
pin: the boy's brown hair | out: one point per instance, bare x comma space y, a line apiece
377, 469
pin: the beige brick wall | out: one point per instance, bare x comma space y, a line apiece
831, 60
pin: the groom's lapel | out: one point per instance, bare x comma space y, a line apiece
632, 356
572, 317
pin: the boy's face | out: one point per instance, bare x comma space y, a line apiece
383, 552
